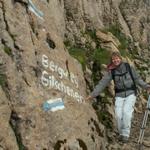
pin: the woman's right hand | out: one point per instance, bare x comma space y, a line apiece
89, 98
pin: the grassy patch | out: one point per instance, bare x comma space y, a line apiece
7, 50
101, 56
92, 34
87, 53
2, 77
67, 43
78, 54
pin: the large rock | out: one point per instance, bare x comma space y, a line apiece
108, 41
7, 136
37, 69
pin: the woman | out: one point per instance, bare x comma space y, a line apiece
125, 80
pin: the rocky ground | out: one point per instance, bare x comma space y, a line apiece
132, 144
135, 132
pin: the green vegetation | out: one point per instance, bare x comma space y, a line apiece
2, 77
92, 34
67, 43
86, 53
101, 56
79, 54
103, 116
7, 50
116, 31
13, 122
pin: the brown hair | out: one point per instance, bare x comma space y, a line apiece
116, 53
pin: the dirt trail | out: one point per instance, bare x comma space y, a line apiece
135, 132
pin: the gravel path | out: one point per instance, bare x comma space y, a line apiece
135, 132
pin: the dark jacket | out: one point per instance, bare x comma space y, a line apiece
121, 82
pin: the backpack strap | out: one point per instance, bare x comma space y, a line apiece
113, 74
130, 71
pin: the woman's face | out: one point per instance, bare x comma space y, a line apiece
116, 60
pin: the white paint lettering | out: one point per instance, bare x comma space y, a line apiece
44, 80
52, 66
45, 61
51, 82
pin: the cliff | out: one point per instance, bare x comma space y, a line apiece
43, 88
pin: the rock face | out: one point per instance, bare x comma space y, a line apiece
37, 70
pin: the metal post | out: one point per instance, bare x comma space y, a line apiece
143, 126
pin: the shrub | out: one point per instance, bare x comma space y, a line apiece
116, 31
101, 56
78, 54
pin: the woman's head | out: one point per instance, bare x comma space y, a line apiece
116, 58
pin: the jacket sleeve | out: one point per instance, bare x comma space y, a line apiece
102, 84
138, 79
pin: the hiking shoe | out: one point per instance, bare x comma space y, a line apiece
125, 139
120, 137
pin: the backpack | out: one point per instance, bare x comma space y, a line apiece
128, 68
